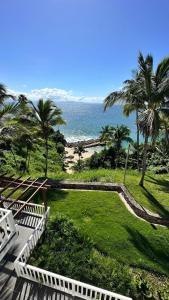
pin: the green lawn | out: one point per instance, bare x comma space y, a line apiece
115, 231
154, 197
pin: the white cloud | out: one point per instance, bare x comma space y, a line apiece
57, 94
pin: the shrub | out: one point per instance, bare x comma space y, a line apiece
66, 251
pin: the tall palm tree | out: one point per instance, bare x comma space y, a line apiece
151, 90
46, 115
154, 87
129, 96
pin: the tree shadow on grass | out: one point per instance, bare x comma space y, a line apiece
51, 195
160, 208
54, 195
163, 183
157, 254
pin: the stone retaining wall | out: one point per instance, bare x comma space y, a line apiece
139, 210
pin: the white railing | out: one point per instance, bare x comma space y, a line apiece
31, 214
56, 281
7, 231
30, 208
33, 240
66, 285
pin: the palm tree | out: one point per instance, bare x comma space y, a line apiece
105, 134
115, 136
46, 115
6, 108
4, 94
9, 142
25, 140
151, 91
79, 149
154, 90
129, 96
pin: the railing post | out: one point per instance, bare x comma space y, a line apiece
73, 290
17, 269
11, 222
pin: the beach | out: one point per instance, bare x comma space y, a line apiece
71, 158
84, 121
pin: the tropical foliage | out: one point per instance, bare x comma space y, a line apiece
45, 116
114, 137
147, 94
25, 129
30, 143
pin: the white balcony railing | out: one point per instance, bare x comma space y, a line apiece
8, 231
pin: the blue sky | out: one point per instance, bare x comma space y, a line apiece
78, 49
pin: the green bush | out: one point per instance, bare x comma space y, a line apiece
66, 251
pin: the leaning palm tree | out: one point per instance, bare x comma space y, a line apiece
154, 87
46, 115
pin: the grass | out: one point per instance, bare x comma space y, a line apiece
116, 232
155, 195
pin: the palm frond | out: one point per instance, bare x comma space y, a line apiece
111, 99
128, 108
149, 123
146, 72
9, 108
162, 70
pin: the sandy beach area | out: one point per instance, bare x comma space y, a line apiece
71, 158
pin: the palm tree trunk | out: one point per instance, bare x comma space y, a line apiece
13, 154
118, 155
46, 158
141, 183
117, 159
79, 162
138, 141
29, 158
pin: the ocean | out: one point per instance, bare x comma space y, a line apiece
85, 120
